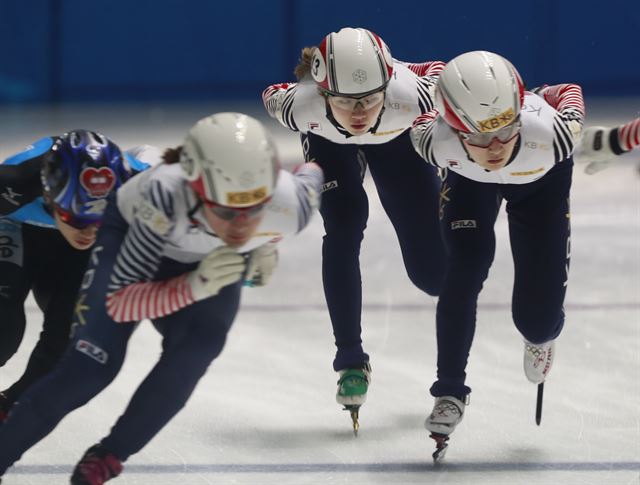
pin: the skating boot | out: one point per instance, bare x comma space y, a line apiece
96, 467
447, 412
538, 359
352, 391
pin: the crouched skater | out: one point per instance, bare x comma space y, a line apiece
176, 244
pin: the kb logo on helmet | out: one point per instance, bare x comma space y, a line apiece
498, 121
249, 197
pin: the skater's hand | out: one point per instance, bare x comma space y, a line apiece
262, 263
595, 149
221, 267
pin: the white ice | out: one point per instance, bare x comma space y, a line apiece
265, 413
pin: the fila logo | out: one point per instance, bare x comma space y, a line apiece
329, 185
463, 224
93, 351
453, 163
314, 125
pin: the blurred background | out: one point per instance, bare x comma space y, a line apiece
71, 50
142, 69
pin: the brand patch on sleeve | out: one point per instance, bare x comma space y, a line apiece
153, 218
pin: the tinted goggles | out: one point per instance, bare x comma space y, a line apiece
348, 103
227, 213
483, 140
75, 221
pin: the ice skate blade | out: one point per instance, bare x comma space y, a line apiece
441, 446
354, 411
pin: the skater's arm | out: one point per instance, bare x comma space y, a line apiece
568, 102
600, 145
422, 135
19, 185
278, 101
429, 68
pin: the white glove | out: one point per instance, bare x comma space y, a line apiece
595, 149
221, 267
262, 263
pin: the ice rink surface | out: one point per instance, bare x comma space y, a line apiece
265, 413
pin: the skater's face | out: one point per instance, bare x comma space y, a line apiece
356, 115
233, 225
78, 237
493, 156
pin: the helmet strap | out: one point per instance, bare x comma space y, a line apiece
195, 208
47, 202
191, 214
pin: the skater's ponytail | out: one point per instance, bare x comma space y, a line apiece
303, 69
172, 155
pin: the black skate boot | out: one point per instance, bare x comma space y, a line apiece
96, 467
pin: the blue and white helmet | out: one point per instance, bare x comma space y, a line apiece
79, 172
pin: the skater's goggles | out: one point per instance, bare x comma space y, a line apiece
483, 140
73, 220
349, 103
230, 213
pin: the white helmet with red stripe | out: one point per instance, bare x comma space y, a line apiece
231, 160
352, 62
479, 92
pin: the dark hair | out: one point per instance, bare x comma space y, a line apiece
303, 69
172, 155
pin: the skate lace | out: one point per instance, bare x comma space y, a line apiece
445, 408
538, 354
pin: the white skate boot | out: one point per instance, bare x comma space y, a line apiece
538, 359
447, 412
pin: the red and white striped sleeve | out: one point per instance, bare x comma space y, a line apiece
155, 299
422, 135
629, 135
278, 101
429, 68
132, 294
568, 102
566, 99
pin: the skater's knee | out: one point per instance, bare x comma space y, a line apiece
539, 328
193, 358
343, 239
90, 364
428, 281
470, 270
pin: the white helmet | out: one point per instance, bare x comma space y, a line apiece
479, 92
352, 62
230, 160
